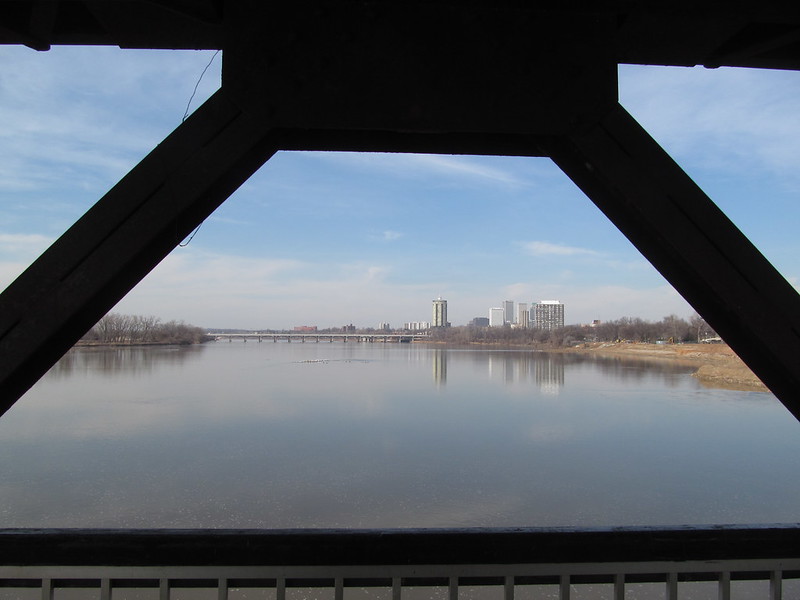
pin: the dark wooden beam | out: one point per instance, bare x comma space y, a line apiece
123, 237
419, 69
692, 243
418, 143
320, 547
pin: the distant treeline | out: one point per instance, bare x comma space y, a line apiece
670, 329
137, 329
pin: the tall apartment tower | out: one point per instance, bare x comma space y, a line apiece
439, 313
508, 311
496, 317
547, 314
523, 316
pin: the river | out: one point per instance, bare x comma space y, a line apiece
388, 435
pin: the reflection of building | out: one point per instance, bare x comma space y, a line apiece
439, 313
548, 372
547, 314
439, 366
508, 311
496, 318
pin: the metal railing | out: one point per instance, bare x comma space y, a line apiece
447, 564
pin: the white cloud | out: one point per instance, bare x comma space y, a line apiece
614, 301
214, 290
720, 118
17, 252
82, 117
519, 292
390, 236
427, 165
23, 243
539, 248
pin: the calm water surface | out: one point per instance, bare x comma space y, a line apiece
388, 435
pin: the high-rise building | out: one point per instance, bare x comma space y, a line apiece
523, 316
547, 314
496, 317
439, 313
508, 311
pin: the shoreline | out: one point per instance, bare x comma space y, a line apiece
717, 366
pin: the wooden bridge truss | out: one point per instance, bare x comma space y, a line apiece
494, 77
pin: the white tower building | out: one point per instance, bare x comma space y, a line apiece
496, 317
439, 313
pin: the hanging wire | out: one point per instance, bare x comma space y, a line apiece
185, 115
191, 237
196, 85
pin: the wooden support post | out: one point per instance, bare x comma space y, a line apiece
672, 586
776, 585
508, 587
564, 587
724, 586
123, 237
692, 243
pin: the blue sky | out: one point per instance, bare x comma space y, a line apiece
332, 238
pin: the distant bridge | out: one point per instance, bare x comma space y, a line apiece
398, 338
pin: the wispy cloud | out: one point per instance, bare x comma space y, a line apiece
540, 248
17, 252
23, 242
462, 166
387, 235
93, 132
719, 118
432, 165
390, 236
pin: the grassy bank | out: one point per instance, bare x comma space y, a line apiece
717, 365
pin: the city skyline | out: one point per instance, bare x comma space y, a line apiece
334, 238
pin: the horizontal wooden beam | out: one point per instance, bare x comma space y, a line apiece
309, 547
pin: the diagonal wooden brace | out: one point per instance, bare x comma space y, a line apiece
123, 237
692, 243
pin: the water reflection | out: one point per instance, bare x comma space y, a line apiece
439, 364
388, 435
137, 360
549, 374
549, 370
514, 367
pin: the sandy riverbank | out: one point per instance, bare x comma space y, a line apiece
717, 365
